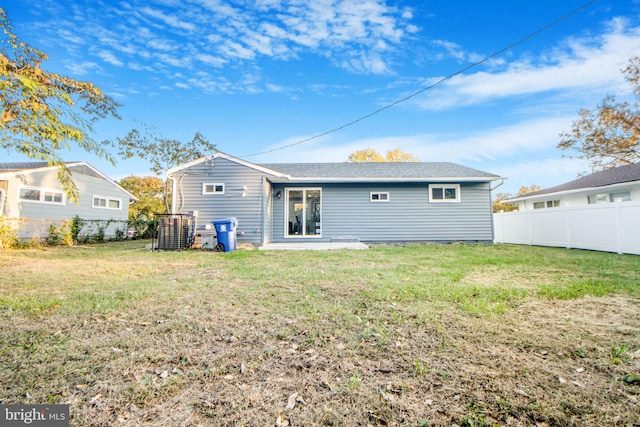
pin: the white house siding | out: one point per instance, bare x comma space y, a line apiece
579, 198
36, 216
242, 197
408, 216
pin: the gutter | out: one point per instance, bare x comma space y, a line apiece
439, 179
501, 182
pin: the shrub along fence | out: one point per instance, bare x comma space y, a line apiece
62, 231
610, 227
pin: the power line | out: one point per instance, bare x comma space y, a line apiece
437, 83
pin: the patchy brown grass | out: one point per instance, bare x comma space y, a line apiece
412, 335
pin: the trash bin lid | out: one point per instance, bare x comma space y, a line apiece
232, 222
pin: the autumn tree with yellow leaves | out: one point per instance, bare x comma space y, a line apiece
43, 113
371, 155
609, 135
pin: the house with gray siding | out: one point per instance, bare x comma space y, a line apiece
322, 202
32, 198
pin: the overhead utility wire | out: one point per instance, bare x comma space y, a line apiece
431, 86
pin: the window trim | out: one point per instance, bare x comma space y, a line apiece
214, 192
304, 234
444, 187
625, 198
379, 199
43, 191
107, 200
555, 203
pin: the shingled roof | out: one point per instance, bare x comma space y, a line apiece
619, 175
18, 166
382, 170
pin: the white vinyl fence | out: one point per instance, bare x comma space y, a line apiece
610, 227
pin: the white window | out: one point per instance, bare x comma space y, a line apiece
1, 202
103, 202
546, 204
444, 193
598, 198
378, 197
623, 196
41, 195
212, 188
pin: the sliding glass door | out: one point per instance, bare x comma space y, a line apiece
304, 206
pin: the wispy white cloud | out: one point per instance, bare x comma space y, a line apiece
110, 58
168, 19
483, 149
360, 36
81, 68
545, 172
578, 63
455, 51
70, 36
216, 61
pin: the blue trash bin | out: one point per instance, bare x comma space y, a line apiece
226, 233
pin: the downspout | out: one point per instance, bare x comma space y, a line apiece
501, 182
173, 193
493, 225
263, 211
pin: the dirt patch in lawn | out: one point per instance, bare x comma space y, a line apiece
196, 362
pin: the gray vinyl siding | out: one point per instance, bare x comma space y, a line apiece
237, 179
408, 216
87, 187
35, 217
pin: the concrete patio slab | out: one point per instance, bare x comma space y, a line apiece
312, 246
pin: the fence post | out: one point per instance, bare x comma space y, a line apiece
567, 226
619, 237
529, 213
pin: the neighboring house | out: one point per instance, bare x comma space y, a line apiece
370, 202
621, 183
31, 194
598, 211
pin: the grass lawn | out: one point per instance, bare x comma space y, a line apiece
413, 335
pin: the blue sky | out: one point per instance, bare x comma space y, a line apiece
254, 76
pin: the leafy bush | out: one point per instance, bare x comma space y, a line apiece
76, 227
62, 236
8, 235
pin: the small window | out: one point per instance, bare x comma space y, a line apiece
598, 198
212, 188
103, 202
444, 193
546, 204
379, 197
35, 194
52, 197
30, 194
623, 196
